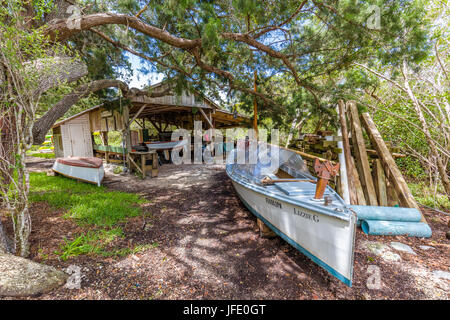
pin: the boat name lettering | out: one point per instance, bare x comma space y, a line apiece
306, 215
273, 203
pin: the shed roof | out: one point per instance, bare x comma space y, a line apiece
173, 104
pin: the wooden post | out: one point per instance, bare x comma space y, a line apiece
143, 167
155, 164
104, 137
264, 231
362, 161
127, 135
255, 109
390, 167
347, 154
379, 180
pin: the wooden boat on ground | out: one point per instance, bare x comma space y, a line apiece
88, 169
284, 197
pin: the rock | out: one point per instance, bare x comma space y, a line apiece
381, 250
21, 277
426, 247
402, 247
366, 296
441, 274
442, 279
448, 234
51, 173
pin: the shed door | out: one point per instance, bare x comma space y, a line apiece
77, 140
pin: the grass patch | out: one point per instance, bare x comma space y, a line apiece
86, 203
425, 194
97, 243
42, 155
93, 242
96, 209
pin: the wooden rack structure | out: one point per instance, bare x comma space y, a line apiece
373, 176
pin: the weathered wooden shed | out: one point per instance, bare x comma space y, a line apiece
73, 136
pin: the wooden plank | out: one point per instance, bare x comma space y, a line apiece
391, 170
111, 124
130, 158
374, 154
103, 124
155, 165
358, 187
118, 118
264, 231
206, 117
306, 155
94, 118
391, 194
379, 180
361, 159
136, 115
126, 134
115, 160
143, 160
347, 154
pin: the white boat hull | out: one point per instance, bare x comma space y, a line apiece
325, 239
91, 175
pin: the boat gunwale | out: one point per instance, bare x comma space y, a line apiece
328, 212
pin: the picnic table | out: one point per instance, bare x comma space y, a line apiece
139, 160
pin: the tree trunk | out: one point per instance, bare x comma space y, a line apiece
291, 130
44, 123
3, 242
439, 162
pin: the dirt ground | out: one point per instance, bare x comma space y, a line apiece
208, 247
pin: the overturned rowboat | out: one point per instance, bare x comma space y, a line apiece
87, 169
301, 209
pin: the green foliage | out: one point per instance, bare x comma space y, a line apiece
433, 197
41, 7
412, 168
93, 242
115, 138
99, 243
43, 155
211, 33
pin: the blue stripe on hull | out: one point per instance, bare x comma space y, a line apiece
322, 264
